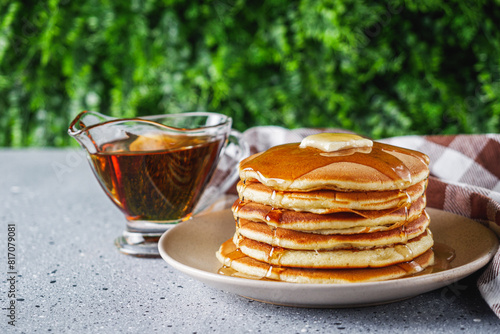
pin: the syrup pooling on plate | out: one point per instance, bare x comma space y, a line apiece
443, 257
301, 161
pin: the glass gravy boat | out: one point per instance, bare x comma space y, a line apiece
159, 170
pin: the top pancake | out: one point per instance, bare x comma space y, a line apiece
291, 168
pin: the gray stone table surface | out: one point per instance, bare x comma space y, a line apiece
71, 279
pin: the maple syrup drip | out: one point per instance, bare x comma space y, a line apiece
275, 271
411, 267
274, 255
406, 252
275, 240
226, 271
429, 232
239, 237
421, 156
373, 214
304, 160
405, 203
428, 217
269, 272
234, 255
406, 207
242, 191
274, 216
406, 199
268, 276
403, 234
238, 205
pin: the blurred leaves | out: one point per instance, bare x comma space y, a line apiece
378, 68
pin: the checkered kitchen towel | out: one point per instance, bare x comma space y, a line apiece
465, 179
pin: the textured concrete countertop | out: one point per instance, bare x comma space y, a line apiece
71, 279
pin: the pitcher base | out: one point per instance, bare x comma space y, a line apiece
138, 244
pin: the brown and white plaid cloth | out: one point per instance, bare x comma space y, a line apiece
465, 180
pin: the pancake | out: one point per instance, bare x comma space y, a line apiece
238, 265
379, 168
334, 223
335, 208
329, 201
335, 259
291, 239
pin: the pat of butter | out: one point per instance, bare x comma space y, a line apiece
331, 142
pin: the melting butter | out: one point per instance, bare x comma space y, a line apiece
332, 142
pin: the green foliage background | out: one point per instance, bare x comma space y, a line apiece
380, 68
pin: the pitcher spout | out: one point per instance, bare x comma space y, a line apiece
83, 125
99, 133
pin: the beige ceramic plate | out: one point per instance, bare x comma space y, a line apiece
190, 248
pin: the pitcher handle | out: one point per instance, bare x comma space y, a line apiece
226, 173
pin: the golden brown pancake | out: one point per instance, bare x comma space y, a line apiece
339, 222
335, 209
244, 266
341, 258
329, 201
298, 240
291, 168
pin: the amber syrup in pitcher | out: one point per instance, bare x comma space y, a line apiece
162, 185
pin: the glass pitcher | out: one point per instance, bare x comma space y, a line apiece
159, 170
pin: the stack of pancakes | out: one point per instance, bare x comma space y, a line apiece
309, 215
